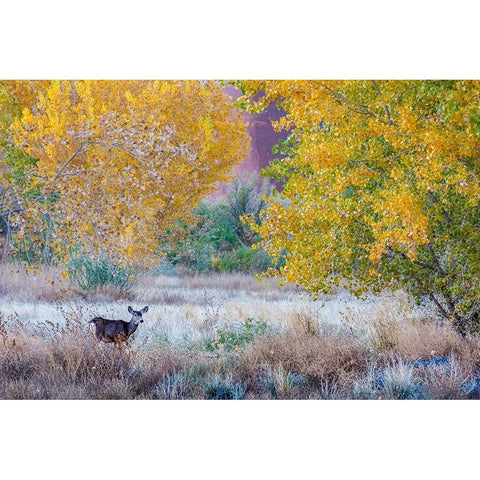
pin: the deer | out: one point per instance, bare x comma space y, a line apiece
117, 331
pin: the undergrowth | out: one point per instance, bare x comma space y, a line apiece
93, 274
392, 357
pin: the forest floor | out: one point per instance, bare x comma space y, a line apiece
225, 337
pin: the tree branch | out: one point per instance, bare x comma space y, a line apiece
9, 212
446, 216
385, 106
70, 160
439, 305
350, 104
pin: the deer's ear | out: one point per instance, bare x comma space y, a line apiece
145, 310
130, 309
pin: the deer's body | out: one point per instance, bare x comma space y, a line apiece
117, 331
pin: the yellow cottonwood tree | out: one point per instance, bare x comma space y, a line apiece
381, 188
118, 161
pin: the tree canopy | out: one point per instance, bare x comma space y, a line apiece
381, 188
107, 165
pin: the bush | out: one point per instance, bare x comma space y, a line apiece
217, 239
174, 386
282, 382
232, 339
400, 383
91, 274
216, 389
243, 259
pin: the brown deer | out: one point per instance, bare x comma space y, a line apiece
117, 331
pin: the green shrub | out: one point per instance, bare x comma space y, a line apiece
231, 339
217, 240
244, 259
217, 389
92, 274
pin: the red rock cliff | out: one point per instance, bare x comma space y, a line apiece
263, 137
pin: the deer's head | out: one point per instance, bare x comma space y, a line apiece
137, 315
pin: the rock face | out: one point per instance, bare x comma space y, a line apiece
263, 137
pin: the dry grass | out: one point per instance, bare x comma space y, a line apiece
396, 327
320, 358
196, 343
16, 284
71, 365
449, 381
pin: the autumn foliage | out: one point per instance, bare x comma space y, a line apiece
381, 188
107, 165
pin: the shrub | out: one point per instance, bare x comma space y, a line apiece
366, 387
399, 382
91, 274
282, 382
229, 339
243, 259
217, 239
218, 389
448, 381
245, 197
174, 386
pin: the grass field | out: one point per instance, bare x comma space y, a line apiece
225, 337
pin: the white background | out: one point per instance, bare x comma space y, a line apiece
249, 439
